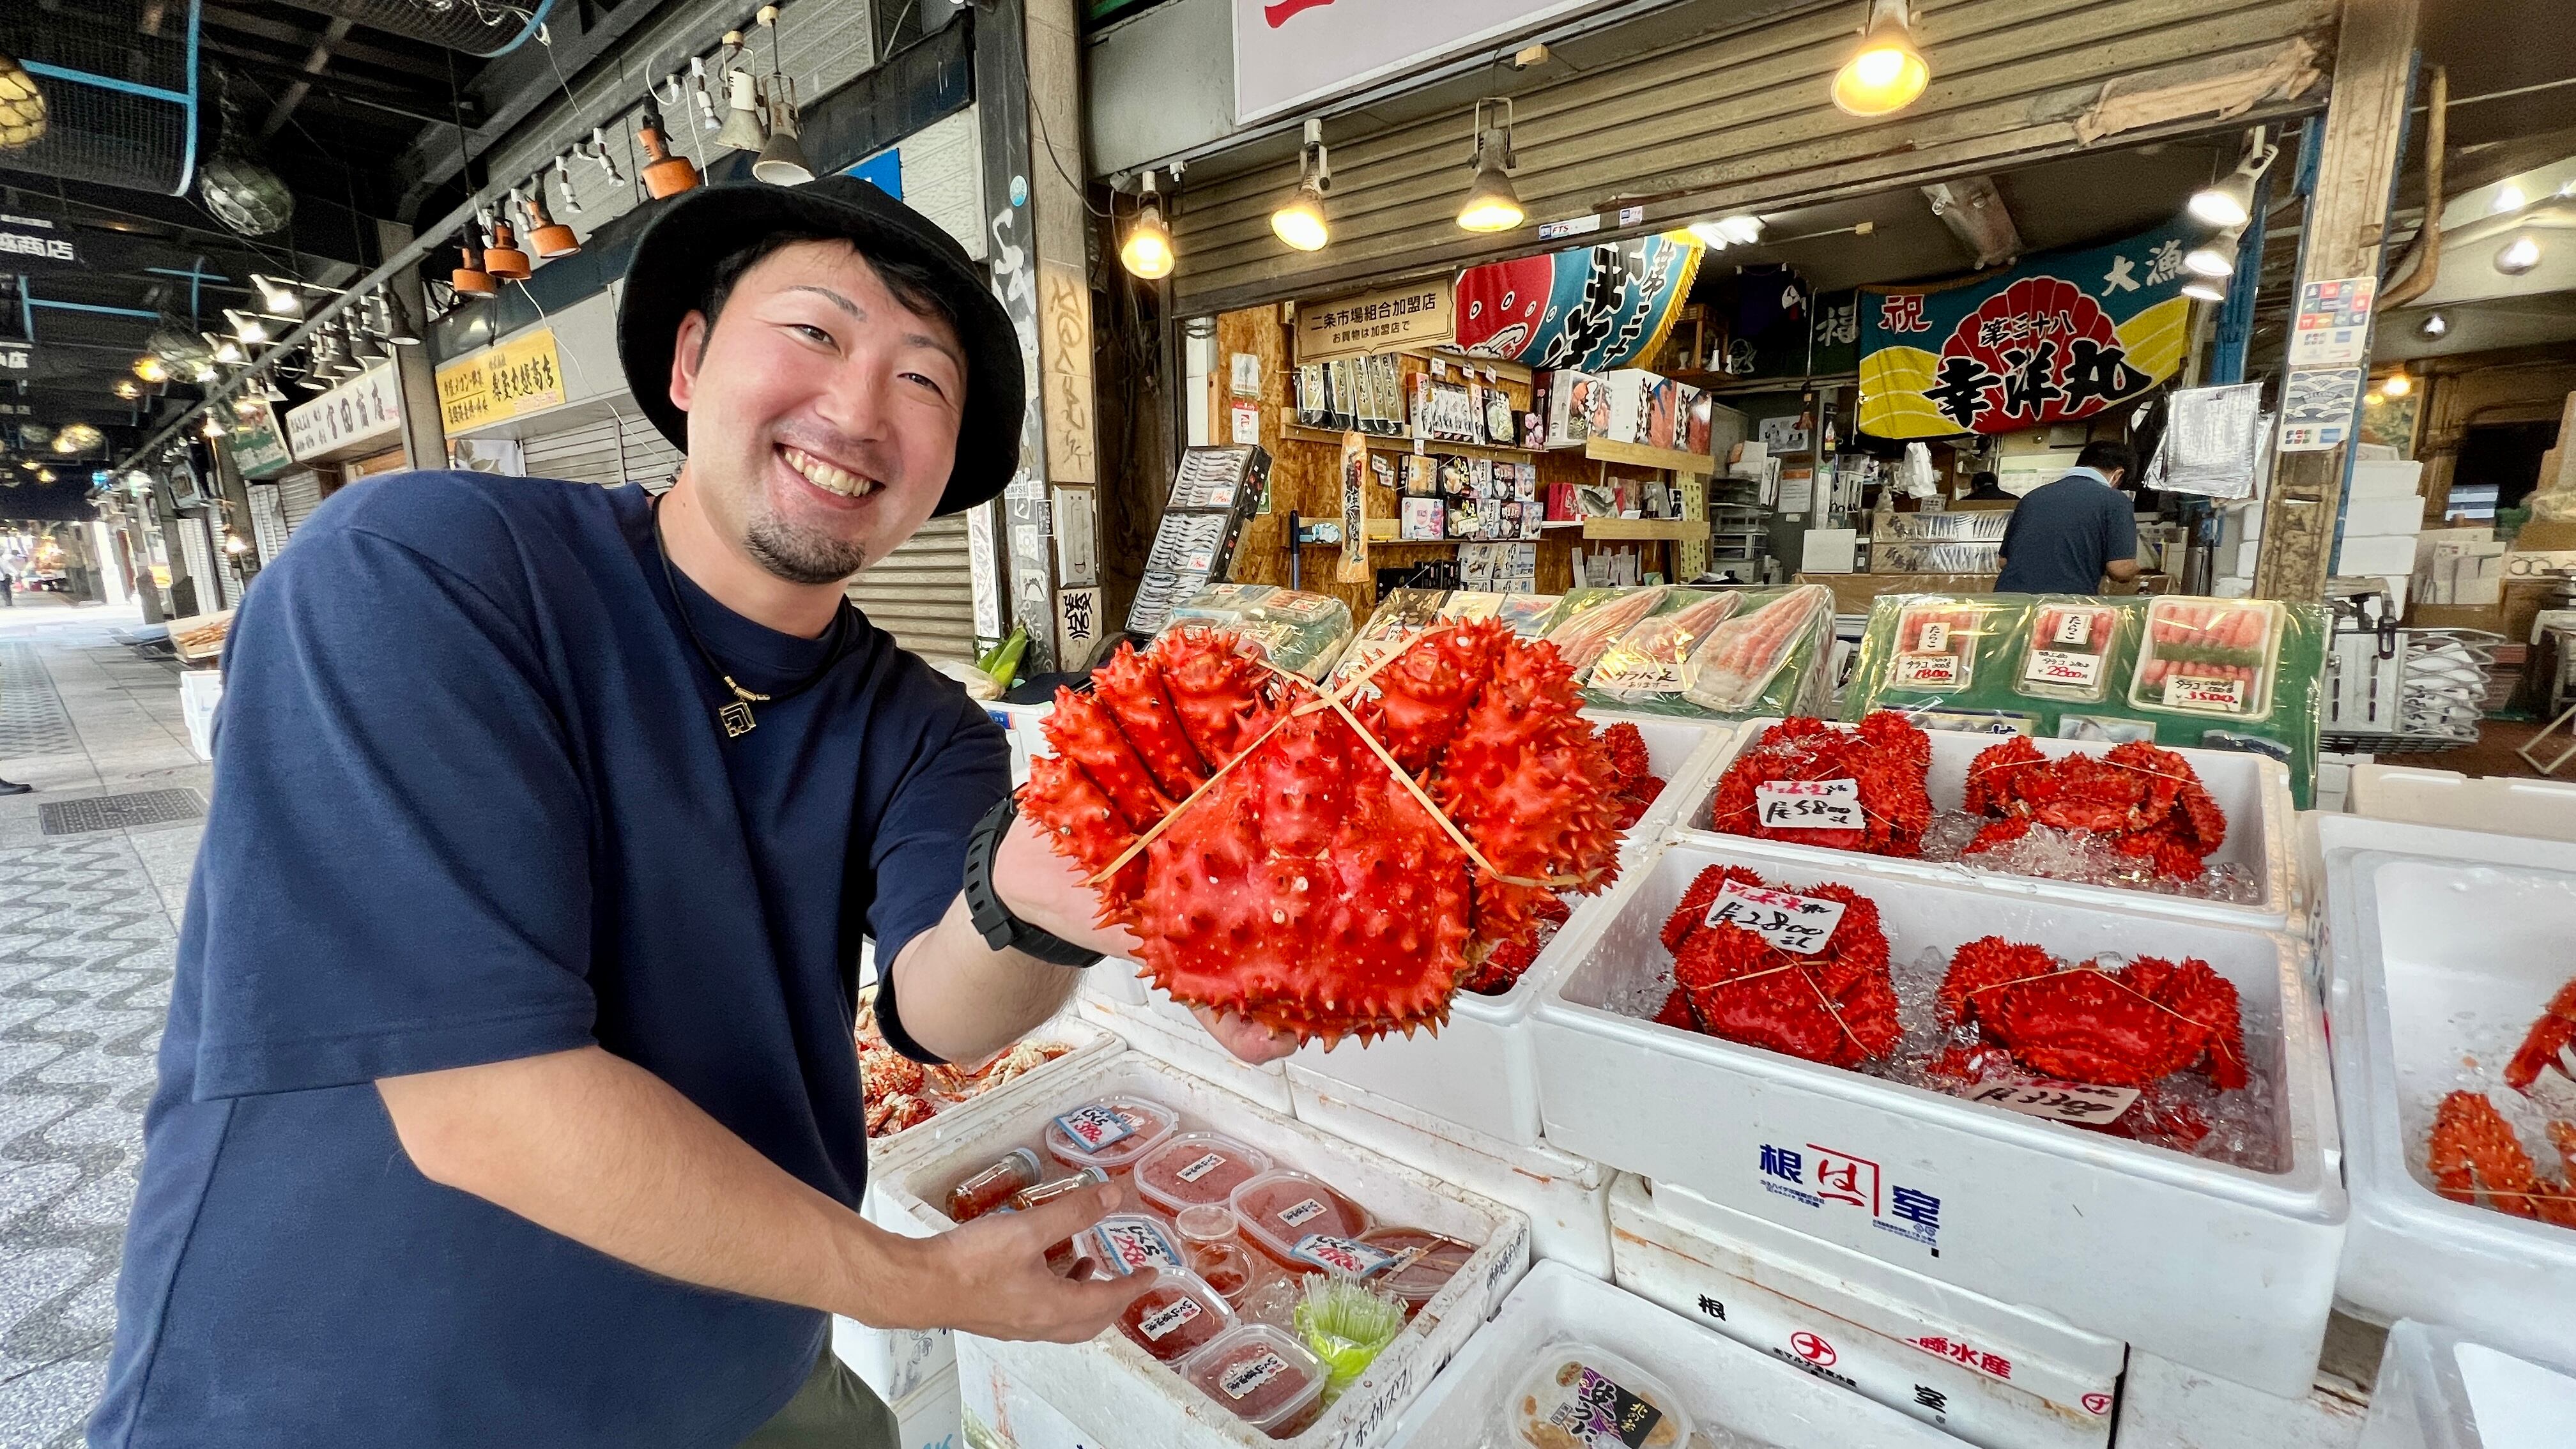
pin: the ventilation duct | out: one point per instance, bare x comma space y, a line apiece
119, 78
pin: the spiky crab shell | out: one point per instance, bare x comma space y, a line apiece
2147, 802
1884, 754
1305, 887
2123, 1028
1633, 770
1837, 1006
2473, 1151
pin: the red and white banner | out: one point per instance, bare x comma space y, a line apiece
1290, 52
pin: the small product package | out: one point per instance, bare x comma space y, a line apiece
2068, 650
1936, 644
2208, 657
1766, 660
1644, 666
1588, 621
1263, 1376
1109, 1134
1581, 1396
1197, 1168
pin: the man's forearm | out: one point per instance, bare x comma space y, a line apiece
964, 1000
600, 1150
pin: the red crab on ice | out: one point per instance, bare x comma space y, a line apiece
1638, 784
2124, 1028
2147, 802
1277, 852
1836, 1006
1885, 755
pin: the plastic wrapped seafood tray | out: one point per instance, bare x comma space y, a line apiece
2439, 1390
2253, 791
2223, 1267
1108, 1387
2442, 946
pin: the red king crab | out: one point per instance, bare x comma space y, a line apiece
1307, 886
1885, 753
1837, 1006
2147, 802
2474, 1149
1638, 784
1511, 960
2124, 1028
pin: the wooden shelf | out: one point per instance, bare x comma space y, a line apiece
1680, 530
1397, 443
1638, 455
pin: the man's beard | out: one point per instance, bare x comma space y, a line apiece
802, 555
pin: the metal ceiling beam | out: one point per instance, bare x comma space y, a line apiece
287, 33
315, 62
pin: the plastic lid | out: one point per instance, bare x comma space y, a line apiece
1197, 1168
1109, 1133
1426, 1261
1261, 1374
1206, 1222
1176, 1317
1124, 1243
1586, 1397
1278, 1210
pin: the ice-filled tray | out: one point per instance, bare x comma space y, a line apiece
2224, 1266
2443, 945
1734, 1394
2253, 791
1108, 1386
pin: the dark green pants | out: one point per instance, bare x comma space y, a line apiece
835, 1410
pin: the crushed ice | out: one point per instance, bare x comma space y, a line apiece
2487, 1041
2079, 855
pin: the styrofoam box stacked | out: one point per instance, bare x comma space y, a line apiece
1990, 1373
2426, 928
2254, 792
2219, 1267
2438, 1390
1722, 1384
2446, 798
1107, 1388
2381, 515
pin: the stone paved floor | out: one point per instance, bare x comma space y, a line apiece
88, 928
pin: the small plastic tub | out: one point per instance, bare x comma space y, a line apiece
1197, 1169
2068, 653
1263, 1376
1936, 645
1125, 1243
1176, 1317
1582, 1396
1425, 1261
1110, 1133
1278, 1210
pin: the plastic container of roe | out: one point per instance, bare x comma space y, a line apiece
1263, 1376
1425, 1261
1125, 1243
1580, 1396
1192, 1168
1176, 1317
1110, 1133
1280, 1209
993, 1185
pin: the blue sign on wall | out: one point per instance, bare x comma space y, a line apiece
884, 170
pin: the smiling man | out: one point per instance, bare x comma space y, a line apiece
508, 1095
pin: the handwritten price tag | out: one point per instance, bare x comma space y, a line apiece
1800, 925
2057, 1101
1808, 805
2195, 692
2061, 666
1129, 1243
1927, 671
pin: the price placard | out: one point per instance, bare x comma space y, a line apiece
2191, 691
1800, 925
1927, 671
2079, 1102
2063, 666
1808, 805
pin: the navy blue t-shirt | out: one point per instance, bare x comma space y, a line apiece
473, 804
2063, 534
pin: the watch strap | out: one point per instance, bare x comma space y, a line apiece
993, 920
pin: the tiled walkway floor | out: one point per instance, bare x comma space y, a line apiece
88, 928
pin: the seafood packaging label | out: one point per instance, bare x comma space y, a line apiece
1597, 1411
2078, 1102
1162, 1321
2064, 666
1299, 1214
2075, 626
1341, 1255
1251, 1374
1927, 671
1096, 1126
1800, 925
1207, 1163
1809, 805
2184, 691
1936, 637
1130, 1243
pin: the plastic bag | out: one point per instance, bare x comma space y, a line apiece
1768, 658
1646, 662
1299, 632
1402, 614
1587, 621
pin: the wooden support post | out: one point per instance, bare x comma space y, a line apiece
2344, 236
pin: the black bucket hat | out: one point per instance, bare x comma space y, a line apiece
679, 252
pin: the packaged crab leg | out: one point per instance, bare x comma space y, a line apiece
1646, 663
1590, 619
2208, 656
1734, 669
2067, 653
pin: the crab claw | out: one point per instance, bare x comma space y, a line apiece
2547, 1047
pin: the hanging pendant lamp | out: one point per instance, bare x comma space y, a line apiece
502, 258
742, 129
782, 159
469, 279
664, 173
547, 237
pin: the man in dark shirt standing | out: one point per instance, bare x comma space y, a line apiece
2066, 537
509, 1094
1983, 488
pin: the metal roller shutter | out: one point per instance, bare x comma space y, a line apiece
267, 520
200, 561
1729, 118
299, 492
608, 452
923, 593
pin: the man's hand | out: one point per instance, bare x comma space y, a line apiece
990, 1277
1248, 1040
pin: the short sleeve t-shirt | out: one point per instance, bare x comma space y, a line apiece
2063, 534
473, 804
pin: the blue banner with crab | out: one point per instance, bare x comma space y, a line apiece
1590, 308
2052, 339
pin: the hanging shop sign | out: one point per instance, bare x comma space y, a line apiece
359, 415
1417, 314
258, 449
1590, 309
1288, 52
18, 358
28, 243
521, 376
2056, 338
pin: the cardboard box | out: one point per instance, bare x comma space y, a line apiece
2489, 617
1857, 593
2544, 535
1630, 391
1573, 403
2394, 554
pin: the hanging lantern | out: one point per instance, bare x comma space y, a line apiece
22, 107
242, 193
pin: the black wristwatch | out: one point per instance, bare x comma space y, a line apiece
993, 920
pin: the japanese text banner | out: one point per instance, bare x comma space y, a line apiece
2053, 339
1591, 308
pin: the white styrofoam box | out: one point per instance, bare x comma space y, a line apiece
2334, 784
1721, 1383
2425, 929
1991, 1373
2171, 1407
1566, 1197
893, 1362
2253, 792
2437, 1390
2380, 554
200, 692
927, 1418
1022, 722
2371, 479
2367, 517
2217, 1266
1165, 1030
1108, 1387
2542, 808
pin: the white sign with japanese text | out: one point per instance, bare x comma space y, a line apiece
1808, 805
359, 415
2079, 1102
1289, 52
1797, 924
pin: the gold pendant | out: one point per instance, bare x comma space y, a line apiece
736, 718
